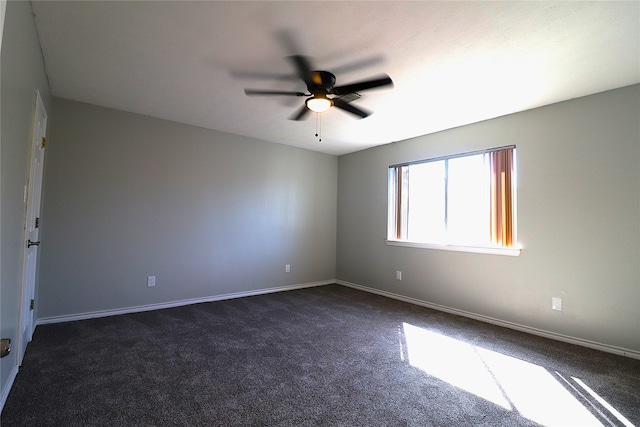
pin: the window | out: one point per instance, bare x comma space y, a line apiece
466, 200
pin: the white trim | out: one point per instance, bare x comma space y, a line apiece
7, 388
14, 369
514, 251
523, 328
33, 201
172, 304
511, 325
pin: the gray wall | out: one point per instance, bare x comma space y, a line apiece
207, 213
578, 220
21, 74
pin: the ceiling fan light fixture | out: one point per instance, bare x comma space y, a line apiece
318, 103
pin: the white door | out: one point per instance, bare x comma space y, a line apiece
32, 226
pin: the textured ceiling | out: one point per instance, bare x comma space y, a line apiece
452, 63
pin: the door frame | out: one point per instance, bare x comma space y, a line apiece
32, 211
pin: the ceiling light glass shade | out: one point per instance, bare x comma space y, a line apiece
318, 103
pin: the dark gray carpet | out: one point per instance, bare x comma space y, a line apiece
325, 356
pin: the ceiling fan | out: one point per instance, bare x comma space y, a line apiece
323, 94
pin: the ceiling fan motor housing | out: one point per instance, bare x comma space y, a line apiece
322, 82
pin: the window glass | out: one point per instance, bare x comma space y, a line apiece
426, 216
468, 199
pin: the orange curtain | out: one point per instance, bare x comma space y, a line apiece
501, 163
402, 208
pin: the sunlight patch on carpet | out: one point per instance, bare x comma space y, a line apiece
506, 381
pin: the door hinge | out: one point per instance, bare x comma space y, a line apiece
32, 304
37, 222
44, 141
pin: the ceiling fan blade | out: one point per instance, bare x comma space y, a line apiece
252, 92
360, 86
348, 97
339, 103
300, 113
303, 68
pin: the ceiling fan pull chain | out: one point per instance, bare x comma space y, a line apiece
319, 126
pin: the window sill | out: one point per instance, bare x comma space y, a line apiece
514, 251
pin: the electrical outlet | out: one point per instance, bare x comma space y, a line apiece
287, 268
151, 280
556, 303
399, 275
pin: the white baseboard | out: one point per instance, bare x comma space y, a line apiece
511, 325
172, 304
7, 386
523, 328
